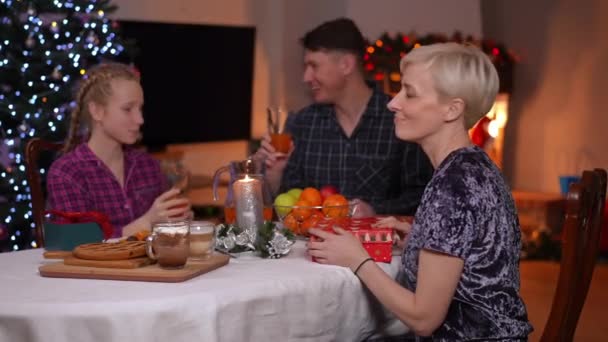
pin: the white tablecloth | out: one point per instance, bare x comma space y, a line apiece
250, 299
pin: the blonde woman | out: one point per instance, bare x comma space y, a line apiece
104, 173
460, 268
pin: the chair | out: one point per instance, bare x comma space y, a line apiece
580, 246
32, 153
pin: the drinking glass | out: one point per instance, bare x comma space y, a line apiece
169, 244
279, 139
202, 239
177, 175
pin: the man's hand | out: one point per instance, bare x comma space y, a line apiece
275, 162
272, 158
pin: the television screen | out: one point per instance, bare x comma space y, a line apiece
197, 81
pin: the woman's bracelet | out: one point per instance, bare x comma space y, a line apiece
361, 264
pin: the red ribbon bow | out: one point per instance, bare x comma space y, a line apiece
81, 217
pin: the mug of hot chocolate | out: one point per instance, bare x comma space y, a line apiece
169, 244
202, 239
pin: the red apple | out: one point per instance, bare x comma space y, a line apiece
328, 190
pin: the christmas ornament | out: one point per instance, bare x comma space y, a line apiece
271, 241
56, 74
3, 232
54, 27
479, 133
279, 245
92, 38
24, 127
30, 42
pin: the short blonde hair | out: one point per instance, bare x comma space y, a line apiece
459, 71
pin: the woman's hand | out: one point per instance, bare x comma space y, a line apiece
403, 228
169, 205
341, 248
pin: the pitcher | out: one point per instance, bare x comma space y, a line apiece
239, 169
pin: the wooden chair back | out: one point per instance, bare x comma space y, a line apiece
580, 247
33, 149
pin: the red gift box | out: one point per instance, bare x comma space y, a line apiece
378, 242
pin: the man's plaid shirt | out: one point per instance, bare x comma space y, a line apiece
372, 164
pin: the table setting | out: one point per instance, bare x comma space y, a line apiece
250, 280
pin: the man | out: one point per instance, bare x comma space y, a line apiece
347, 137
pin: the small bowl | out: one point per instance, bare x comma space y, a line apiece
299, 218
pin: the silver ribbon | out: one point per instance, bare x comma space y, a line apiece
279, 245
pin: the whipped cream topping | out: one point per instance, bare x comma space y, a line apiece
171, 230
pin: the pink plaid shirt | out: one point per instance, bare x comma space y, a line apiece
78, 181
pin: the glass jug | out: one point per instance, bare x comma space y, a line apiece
239, 169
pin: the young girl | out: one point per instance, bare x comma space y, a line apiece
105, 173
459, 279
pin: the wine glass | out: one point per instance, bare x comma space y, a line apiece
276, 118
177, 176
176, 173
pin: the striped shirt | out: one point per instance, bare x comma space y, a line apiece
372, 164
79, 181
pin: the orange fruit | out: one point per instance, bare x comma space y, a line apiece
301, 210
311, 195
291, 223
311, 222
335, 206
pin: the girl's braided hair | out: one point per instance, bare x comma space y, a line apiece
95, 87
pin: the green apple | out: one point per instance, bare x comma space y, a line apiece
284, 202
295, 192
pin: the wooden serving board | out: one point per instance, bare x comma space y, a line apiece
147, 273
126, 263
70, 259
57, 254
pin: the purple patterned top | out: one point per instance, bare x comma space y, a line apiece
467, 211
79, 181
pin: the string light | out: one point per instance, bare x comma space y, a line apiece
383, 54
32, 106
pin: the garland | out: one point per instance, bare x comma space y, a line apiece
381, 59
271, 241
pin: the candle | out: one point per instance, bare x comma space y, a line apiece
249, 203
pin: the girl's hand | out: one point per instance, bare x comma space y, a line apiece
393, 222
341, 248
168, 205
402, 228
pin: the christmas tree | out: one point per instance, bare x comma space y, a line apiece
45, 48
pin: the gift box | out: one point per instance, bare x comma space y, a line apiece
66, 236
378, 242
63, 231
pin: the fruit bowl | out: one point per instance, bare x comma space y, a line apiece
299, 219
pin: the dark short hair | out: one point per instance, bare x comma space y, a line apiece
339, 34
